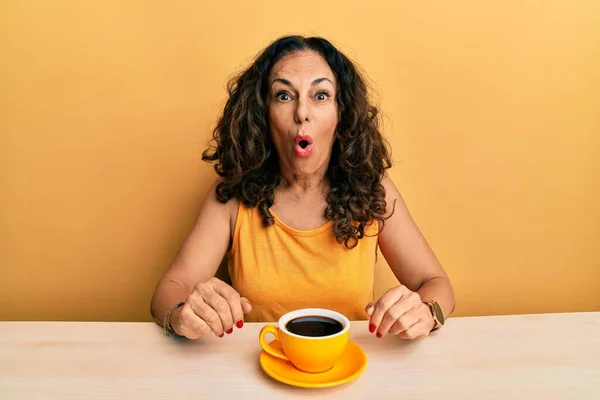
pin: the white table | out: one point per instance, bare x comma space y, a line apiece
546, 356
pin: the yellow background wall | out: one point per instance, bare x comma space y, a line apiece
492, 109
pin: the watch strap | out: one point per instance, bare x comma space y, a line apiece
436, 313
167, 319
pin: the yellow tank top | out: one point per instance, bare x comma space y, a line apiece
280, 269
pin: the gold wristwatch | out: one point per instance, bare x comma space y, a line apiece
436, 313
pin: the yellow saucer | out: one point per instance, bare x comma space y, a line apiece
350, 365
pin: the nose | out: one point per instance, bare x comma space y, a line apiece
302, 111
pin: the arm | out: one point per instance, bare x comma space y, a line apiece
409, 256
197, 261
416, 267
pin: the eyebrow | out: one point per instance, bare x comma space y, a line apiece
319, 80
314, 83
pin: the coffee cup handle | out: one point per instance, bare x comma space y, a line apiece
266, 346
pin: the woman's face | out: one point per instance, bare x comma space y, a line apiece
303, 112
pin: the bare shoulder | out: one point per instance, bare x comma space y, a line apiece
233, 207
213, 204
393, 198
403, 245
389, 186
399, 223
203, 250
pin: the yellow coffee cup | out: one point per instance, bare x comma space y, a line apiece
312, 339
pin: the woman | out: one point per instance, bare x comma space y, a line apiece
301, 204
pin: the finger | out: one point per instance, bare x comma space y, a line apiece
235, 305
420, 329
246, 305
405, 322
208, 315
369, 310
390, 298
222, 308
394, 314
189, 325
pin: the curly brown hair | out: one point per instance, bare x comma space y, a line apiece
247, 160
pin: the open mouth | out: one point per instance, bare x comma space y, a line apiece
303, 145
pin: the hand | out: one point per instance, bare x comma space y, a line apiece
213, 306
401, 312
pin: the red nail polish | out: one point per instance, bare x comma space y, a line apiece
379, 335
229, 331
239, 324
372, 328
221, 335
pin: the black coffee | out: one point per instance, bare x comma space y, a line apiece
314, 326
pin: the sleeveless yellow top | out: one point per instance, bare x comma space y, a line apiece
280, 269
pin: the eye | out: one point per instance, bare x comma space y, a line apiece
322, 96
283, 96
